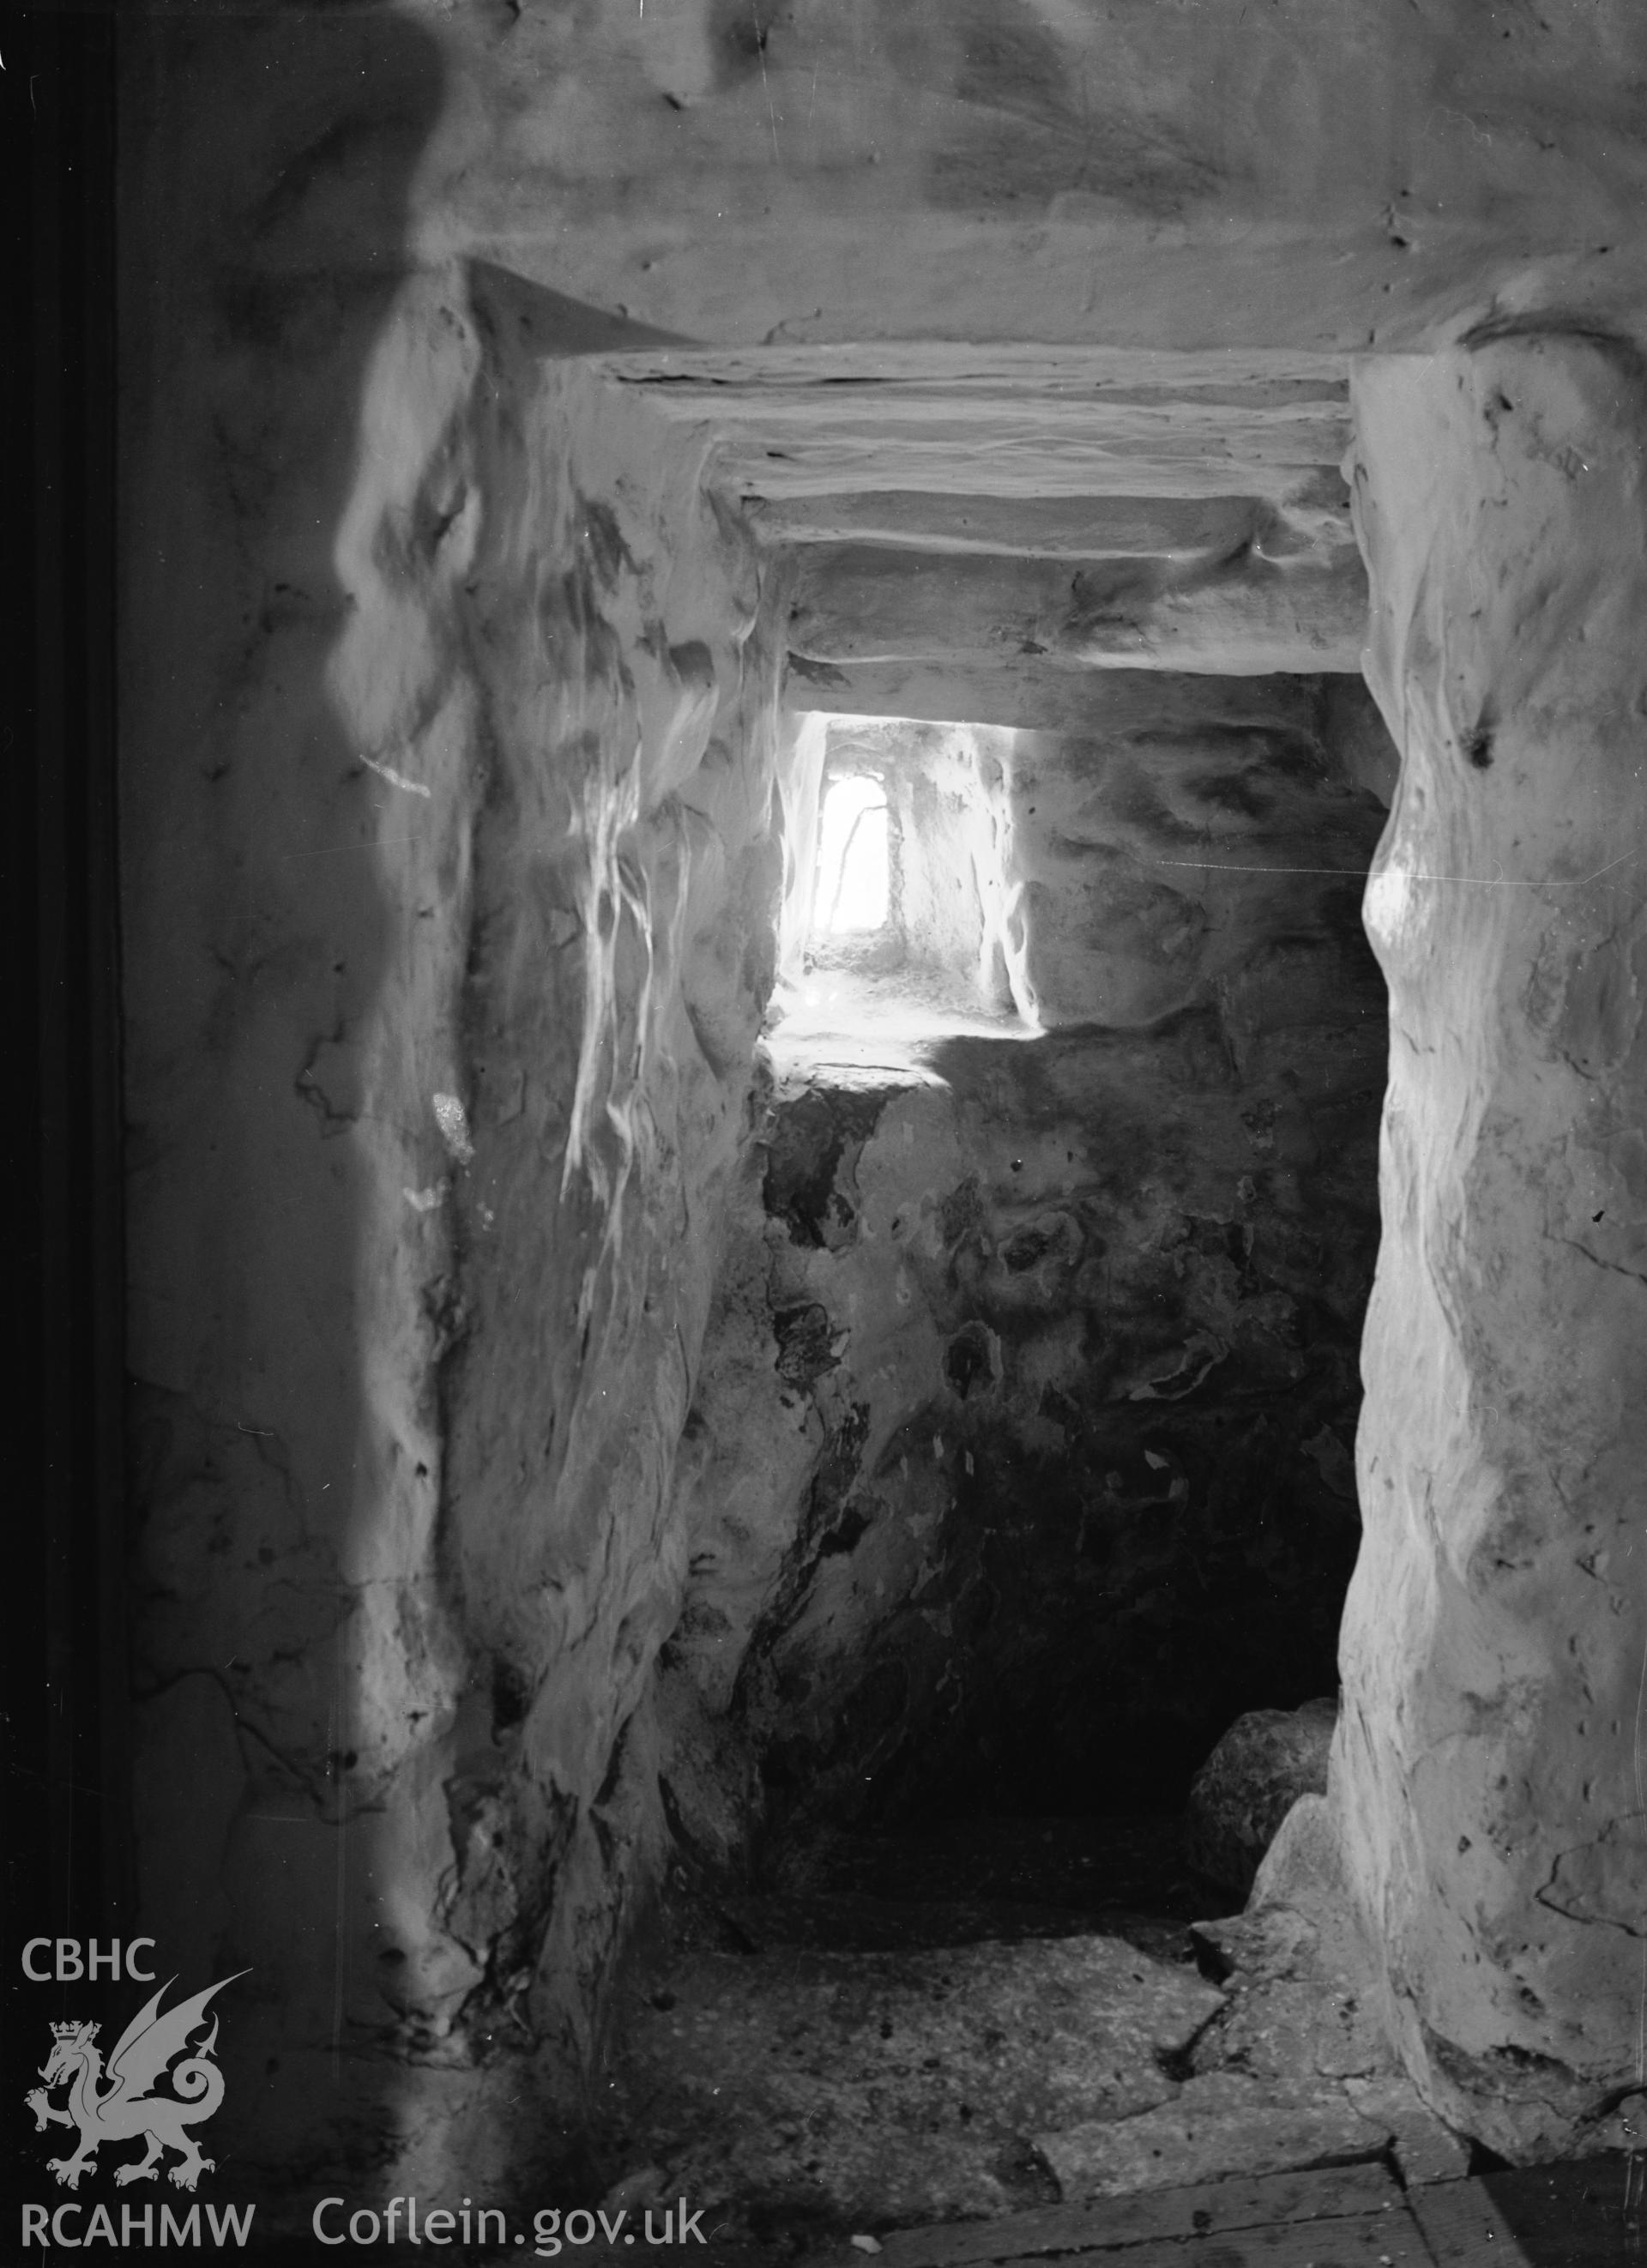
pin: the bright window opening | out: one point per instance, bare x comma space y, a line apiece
854, 893
901, 922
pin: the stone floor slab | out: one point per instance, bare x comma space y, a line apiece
1218, 2123
899, 2086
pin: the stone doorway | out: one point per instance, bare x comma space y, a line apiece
1062, 1212
732, 1427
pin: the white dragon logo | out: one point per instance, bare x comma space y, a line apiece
126, 2110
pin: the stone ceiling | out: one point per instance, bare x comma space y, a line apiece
975, 531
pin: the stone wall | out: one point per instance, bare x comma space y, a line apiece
451, 714
1487, 1776
1314, 174
297, 819
619, 961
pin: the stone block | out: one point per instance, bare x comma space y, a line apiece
1239, 1799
